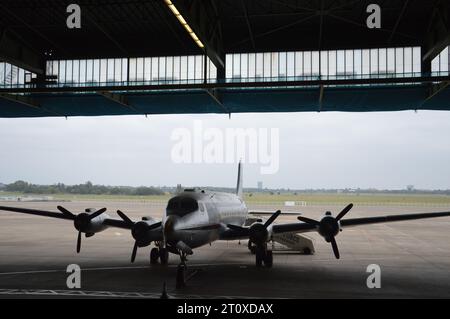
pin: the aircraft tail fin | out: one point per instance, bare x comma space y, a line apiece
239, 181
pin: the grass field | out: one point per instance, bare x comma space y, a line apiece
363, 199
301, 198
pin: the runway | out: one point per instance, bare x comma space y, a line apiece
414, 257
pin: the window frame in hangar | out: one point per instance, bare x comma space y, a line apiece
284, 65
137, 70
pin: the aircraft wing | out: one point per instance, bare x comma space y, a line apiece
270, 212
91, 223
36, 212
107, 221
302, 227
239, 232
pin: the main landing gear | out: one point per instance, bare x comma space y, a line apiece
263, 256
159, 254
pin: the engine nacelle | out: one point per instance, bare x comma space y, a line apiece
259, 234
329, 227
85, 224
144, 232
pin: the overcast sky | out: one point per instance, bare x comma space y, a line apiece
317, 150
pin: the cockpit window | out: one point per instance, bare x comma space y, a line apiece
181, 206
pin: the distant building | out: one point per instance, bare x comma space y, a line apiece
410, 188
260, 185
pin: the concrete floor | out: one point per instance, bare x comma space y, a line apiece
414, 257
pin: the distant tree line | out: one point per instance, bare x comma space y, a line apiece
86, 188
346, 191
89, 188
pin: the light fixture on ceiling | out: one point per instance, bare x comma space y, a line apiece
184, 23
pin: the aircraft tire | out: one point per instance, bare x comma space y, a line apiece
154, 256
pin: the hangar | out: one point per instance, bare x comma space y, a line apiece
193, 56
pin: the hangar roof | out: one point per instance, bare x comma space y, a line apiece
34, 37
147, 28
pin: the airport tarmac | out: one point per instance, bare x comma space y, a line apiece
414, 257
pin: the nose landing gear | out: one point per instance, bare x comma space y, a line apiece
181, 272
163, 255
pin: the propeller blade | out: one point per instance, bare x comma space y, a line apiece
308, 220
133, 254
97, 213
79, 243
344, 211
65, 212
335, 247
125, 218
272, 218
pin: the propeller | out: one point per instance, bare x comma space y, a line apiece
82, 221
329, 227
133, 254
66, 212
139, 231
272, 218
79, 242
258, 233
125, 218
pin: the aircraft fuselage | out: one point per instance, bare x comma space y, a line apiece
197, 217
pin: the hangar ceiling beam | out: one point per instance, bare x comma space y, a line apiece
240, 85
21, 99
249, 26
27, 101
15, 51
110, 37
410, 37
277, 29
154, 10
118, 98
33, 30
438, 31
203, 18
399, 19
321, 15
437, 88
321, 93
214, 94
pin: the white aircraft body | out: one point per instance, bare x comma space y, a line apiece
195, 218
